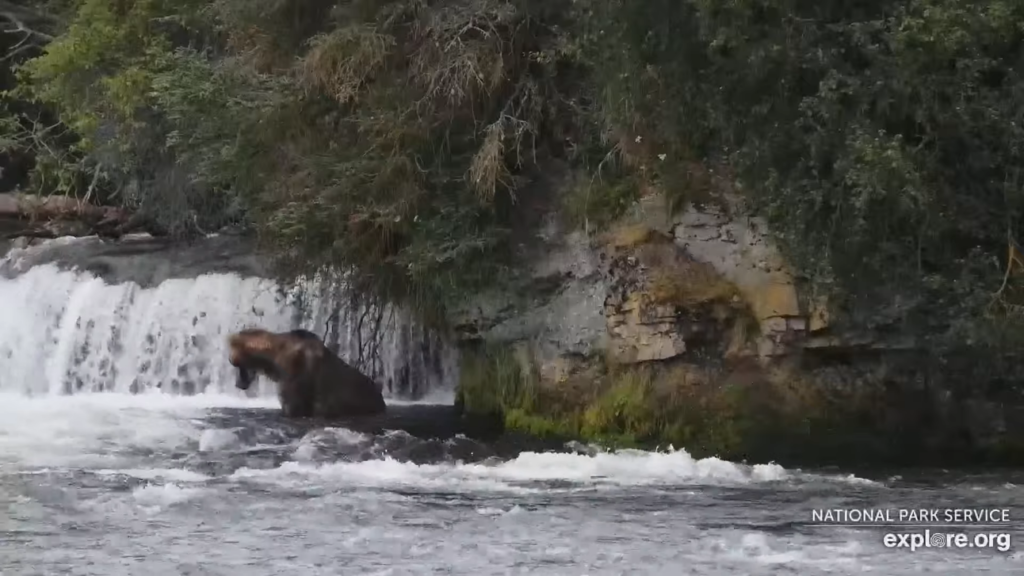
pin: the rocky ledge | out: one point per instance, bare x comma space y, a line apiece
111, 243
139, 258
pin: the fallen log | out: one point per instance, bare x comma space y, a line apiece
32, 207
53, 216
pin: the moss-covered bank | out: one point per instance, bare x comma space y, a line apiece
792, 414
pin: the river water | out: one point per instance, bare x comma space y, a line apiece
107, 469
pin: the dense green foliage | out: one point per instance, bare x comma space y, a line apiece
883, 139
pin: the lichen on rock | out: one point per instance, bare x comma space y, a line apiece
660, 298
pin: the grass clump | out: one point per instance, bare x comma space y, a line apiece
593, 204
492, 379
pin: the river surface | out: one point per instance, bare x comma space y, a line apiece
111, 484
126, 451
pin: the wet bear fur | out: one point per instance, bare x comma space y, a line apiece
311, 380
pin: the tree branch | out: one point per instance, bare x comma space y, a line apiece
19, 24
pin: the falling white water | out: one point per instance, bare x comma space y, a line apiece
65, 332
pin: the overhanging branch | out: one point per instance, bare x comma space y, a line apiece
17, 19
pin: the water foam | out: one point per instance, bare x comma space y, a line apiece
156, 497
92, 430
529, 472
133, 435
67, 332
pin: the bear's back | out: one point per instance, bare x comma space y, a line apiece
348, 389
305, 335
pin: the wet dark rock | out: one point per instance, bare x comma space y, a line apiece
142, 259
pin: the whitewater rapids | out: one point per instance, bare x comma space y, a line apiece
111, 484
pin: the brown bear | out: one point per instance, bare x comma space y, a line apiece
311, 380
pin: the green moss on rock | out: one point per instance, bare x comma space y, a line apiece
742, 411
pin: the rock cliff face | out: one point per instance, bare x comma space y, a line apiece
651, 289
670, 318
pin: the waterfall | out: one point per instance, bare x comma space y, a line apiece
70, 332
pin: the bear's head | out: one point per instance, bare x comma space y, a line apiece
251, 351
